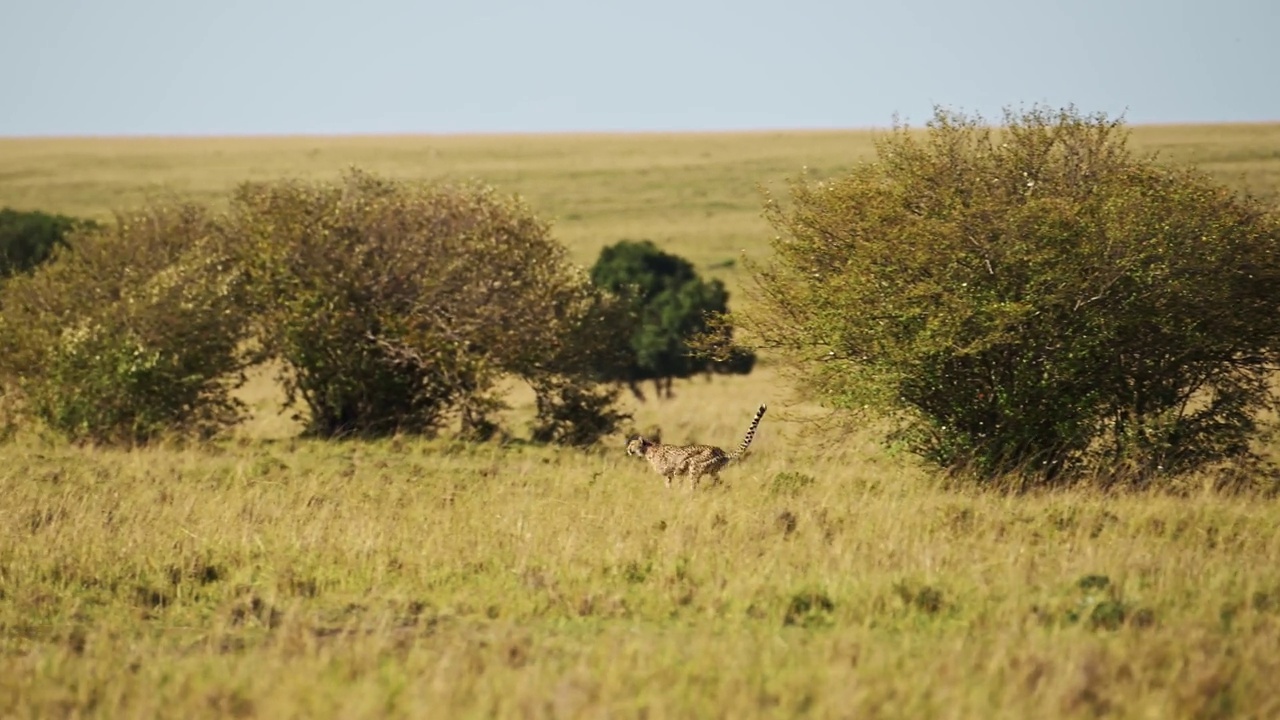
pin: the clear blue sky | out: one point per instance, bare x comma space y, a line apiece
200, 67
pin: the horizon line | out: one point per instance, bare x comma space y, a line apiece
547, 133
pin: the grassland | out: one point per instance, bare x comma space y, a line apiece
268, 576
695, 193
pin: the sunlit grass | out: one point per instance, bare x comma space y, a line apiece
416, 578
412, 578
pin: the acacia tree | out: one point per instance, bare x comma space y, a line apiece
1034, 298
673, 309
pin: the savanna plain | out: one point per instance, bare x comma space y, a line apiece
268, 575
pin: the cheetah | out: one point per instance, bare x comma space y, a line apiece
693, 461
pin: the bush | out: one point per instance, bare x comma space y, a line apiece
397, 306
673, 306
790, 483
1035, 299
29, 238
575, 413
575, 406
135, 332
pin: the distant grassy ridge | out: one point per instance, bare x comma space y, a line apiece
694, 193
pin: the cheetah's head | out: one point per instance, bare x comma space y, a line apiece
637, 445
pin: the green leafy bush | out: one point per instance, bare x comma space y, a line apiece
673, 307
29, 238
138, 330
1034, 299
398, 306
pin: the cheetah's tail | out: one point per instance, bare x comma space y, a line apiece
751, 434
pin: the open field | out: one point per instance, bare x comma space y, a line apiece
406, 578
695, 194
267, 576
421, 579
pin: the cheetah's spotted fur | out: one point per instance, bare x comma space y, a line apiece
692, 461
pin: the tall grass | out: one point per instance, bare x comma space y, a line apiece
426, 579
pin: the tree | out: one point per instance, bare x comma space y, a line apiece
1033, 299
672, 307
398, 306
137, 330
29, 238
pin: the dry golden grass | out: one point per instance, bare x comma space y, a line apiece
426, 579
267, 576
